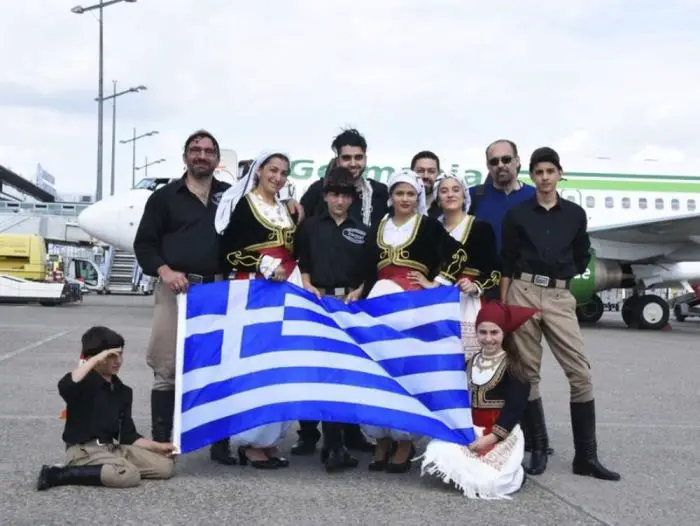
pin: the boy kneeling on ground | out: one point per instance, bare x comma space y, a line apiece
103, 447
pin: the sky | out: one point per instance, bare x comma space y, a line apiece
594, 79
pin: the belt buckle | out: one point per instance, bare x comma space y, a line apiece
195, 278
541, 281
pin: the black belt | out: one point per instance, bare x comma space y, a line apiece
198, 278
543, 281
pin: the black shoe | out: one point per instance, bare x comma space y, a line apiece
586, 461
537, 430
270, 463
405, 466
162, 409
355, 440
304, 447
338, 459
221, 452
51, 476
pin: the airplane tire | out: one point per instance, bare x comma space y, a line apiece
629, 312
592, 311
653, 312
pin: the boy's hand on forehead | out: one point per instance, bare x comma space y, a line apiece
107, 353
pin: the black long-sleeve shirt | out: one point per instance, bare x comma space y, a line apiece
551, 243
97, 409
177, 230
334, 255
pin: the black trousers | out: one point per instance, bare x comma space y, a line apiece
335, 434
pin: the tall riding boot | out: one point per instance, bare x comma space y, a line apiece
527, 434
221, 452
534, 416
586, 458
51, 476
162, 410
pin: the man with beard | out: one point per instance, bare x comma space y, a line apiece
176, 241
370, 199
502, 190
427, 165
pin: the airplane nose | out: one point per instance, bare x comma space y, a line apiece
95, 219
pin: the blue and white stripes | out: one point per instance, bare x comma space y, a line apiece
252, 352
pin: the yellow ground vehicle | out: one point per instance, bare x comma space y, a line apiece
23, 256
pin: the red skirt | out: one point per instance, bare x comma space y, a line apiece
485, 418
398, 275
288, 263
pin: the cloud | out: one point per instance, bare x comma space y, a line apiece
591, 78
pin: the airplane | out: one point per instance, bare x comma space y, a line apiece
644, 229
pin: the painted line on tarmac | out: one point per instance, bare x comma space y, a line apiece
33, 345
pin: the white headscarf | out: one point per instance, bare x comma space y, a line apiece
245, 184
460, 180
412, 178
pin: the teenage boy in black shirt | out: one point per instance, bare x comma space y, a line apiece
103, 447
334, 261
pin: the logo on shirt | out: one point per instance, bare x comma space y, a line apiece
354, 235
216, 197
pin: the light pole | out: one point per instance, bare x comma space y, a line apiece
133, 152
147, 164
79, 10
114, 96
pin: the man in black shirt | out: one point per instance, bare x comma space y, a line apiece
427, 165
546, 244
334, 260
370, 197
177, 242
103, 447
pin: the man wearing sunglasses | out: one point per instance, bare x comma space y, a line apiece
501, 190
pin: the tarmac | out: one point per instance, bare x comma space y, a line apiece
648, 421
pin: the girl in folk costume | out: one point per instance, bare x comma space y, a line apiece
257, 242
490, 467
482, 274
410, 251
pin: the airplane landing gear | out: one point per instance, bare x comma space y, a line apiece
592, 311
647, 311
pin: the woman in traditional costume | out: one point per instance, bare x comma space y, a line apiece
490, 467
482, 275
410, 250
257, 242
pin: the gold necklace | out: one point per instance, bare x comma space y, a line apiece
488, 364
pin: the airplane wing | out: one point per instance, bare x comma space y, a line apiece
679, 229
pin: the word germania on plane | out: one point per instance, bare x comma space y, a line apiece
645, 229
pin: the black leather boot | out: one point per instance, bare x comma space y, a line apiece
525, 426
339, 458
355, 439
51, 476
221, 452
586, 461
308, 436
162, 410
534, 418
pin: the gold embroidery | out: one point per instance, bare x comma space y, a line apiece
454, 267
244, 258
500, 432
277, 237
493, 280
479, 392
467, 229
398, 255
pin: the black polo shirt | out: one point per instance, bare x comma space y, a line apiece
97, 409
551, 243
333, 255
177, 230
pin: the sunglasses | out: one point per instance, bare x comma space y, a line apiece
505, 159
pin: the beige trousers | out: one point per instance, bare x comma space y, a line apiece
558, 323
160, 355
122, 466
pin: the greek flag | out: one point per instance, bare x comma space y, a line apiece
254, 352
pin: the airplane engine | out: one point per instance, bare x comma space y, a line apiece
601, 274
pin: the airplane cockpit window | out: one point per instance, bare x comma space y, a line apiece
609, 203
590, 201
659, 204
675, 204
643, 203
626, 202
691, 205
145, 184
